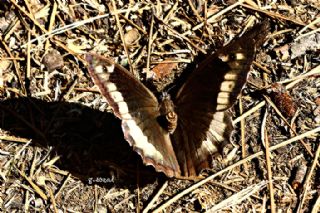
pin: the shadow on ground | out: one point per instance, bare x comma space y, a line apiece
89, 142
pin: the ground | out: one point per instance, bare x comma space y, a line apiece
62, 149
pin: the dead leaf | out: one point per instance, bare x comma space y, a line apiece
164, 69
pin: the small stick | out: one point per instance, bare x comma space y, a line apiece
114, 12
53, 200
308, 178
316, 206
268, 161
275, 15
33, 185
242, 125
150, 41
181, 36
28, 74
62, 186
155, 198
314, 71
249, 158
28, 71
16, 67
133, 24
194, 10
313, 23
13, 139
215, 17
285, 120
51, 23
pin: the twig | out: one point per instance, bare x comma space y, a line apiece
16, 155
242, 126
11, 29
16, 67
28, 15
194, 10
249, 158
274, 15
14, 139
69, 89
288, 124
138, 191
308, 178
66, 28
231, 189
63, 185
214, 17
95, 208
179, 35
262, 67
307, 34
133, 24
150, 41
33, 185
268, 161
293, 81
28, 71
313, 23
114, 12
238, 197
52, 199
51, 23
57, 42
249, 112
264, 203
155, 198
316, 206
26, 201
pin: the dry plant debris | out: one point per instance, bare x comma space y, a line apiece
282, 99
61, 149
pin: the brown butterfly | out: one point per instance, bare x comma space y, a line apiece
178, 135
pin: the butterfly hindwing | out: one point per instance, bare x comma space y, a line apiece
138, 109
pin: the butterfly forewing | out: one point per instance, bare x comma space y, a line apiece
138, 109
202, 101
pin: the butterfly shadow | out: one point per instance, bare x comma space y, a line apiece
89, 142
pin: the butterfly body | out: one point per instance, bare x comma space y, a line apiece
168, 117
178, 135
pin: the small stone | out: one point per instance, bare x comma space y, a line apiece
132, 37
53, 60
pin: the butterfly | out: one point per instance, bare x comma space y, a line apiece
179, 135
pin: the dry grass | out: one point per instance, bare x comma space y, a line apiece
61, 149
